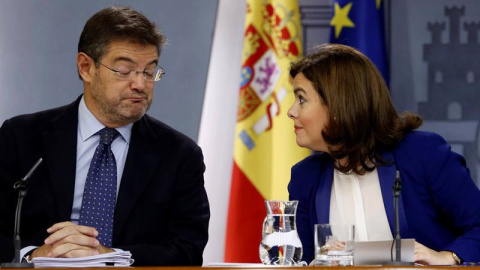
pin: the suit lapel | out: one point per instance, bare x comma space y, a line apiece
324, 191
139, 169
60, 143
386, 175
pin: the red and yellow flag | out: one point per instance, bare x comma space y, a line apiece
265, 147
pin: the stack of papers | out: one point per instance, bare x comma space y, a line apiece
119, 258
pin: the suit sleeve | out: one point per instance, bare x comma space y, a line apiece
455, 196
7, 193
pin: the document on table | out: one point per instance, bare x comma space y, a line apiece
119, 258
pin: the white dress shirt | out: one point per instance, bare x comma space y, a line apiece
357, 199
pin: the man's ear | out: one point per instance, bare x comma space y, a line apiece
85, 66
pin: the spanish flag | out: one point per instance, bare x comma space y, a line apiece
264, 148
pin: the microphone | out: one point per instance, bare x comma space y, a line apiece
21, 186
397, 188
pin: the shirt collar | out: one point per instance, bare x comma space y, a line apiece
88, 124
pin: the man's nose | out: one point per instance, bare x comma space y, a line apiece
139, 81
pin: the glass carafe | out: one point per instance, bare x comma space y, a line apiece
280, 242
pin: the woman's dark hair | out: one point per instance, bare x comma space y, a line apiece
362, 119
118, 24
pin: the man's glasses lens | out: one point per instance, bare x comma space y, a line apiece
128, 74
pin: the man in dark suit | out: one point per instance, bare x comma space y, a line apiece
160, 207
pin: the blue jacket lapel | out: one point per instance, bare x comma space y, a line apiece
324, 190
386, 175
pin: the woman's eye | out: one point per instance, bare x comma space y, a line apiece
301, 100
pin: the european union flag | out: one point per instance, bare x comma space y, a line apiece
360, 24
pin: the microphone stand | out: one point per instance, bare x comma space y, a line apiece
21, 186
397, 188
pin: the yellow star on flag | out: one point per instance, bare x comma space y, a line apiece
340, 18
379, 2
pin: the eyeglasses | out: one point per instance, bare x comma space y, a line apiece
124, 73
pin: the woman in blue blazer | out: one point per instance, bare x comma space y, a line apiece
344, 113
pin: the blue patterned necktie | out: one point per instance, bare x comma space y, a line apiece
100, 191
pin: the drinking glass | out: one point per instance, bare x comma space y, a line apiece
334, 244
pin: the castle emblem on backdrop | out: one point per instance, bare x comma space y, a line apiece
272, 43
453, 107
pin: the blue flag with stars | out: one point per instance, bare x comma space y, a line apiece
360, 24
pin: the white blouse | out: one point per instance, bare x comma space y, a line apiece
357, 199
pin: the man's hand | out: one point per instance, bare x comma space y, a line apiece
68, 240
426, 256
